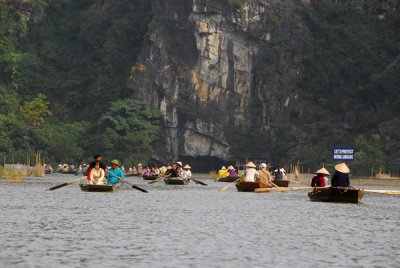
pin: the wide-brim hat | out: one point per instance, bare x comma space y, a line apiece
187, 166
179, 163
322, 171
250, 165
139, 165
231, 167
115, 162
342, 167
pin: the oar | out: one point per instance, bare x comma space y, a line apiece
276, 186
229, 185
132, 185
393, 192
65, 184
263, 190
198, 182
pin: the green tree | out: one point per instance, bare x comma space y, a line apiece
35, 112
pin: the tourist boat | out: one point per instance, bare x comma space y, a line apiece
228, 179
132, 175
96, 187
176, 181
151, 177
281, 183
249, 186
337, 194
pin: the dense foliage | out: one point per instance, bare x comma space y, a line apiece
349, 82
63, 69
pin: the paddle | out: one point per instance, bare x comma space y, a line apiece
127, 183
64, 184
229, 185
198, 182
263, 190
392, 192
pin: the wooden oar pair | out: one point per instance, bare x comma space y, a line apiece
64, 184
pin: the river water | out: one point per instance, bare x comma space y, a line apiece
191, 226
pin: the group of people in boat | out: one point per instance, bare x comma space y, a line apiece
98, 173
252, 174
263, 174
339, 179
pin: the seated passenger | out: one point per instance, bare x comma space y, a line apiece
251, 174
146, 172
97, 174
186, 174
341, 176
319, 179
223, 172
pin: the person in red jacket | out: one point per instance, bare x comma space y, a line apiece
319, 179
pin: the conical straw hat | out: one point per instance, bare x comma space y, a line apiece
342, 167
251, 165
231, 167
187, 166
179, 163
322, 171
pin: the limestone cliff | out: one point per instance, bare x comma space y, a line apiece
200, 68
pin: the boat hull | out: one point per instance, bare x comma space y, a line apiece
229, 179
96, 187
150, 178
176, 181
250, 186
337, 194
281, 183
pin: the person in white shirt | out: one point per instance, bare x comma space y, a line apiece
97, 174
251, 173
186, 174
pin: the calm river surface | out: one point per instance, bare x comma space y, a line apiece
191, 226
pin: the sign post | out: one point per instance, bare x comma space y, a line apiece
343, 154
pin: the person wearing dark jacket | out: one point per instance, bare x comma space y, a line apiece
341, 176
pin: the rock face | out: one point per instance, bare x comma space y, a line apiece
201, 68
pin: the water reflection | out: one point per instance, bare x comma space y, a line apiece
191, 226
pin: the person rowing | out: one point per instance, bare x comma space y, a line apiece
341, 176
114, 174
174, 171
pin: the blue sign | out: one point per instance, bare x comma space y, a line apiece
343, 153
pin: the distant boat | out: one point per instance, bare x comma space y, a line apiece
337, 194
176, 181
249, 186
228, 179
281, 183
151, 177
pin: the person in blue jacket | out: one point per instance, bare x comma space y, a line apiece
341, 176
115, 175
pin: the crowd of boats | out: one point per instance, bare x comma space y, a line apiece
98, 177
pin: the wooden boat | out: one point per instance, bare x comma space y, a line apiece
132, 175
96, 187
176, 181
150, 178
228, 179
337, 194
250, 186
281, 183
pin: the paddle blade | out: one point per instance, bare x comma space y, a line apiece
138, 188
199, 182
58, 186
